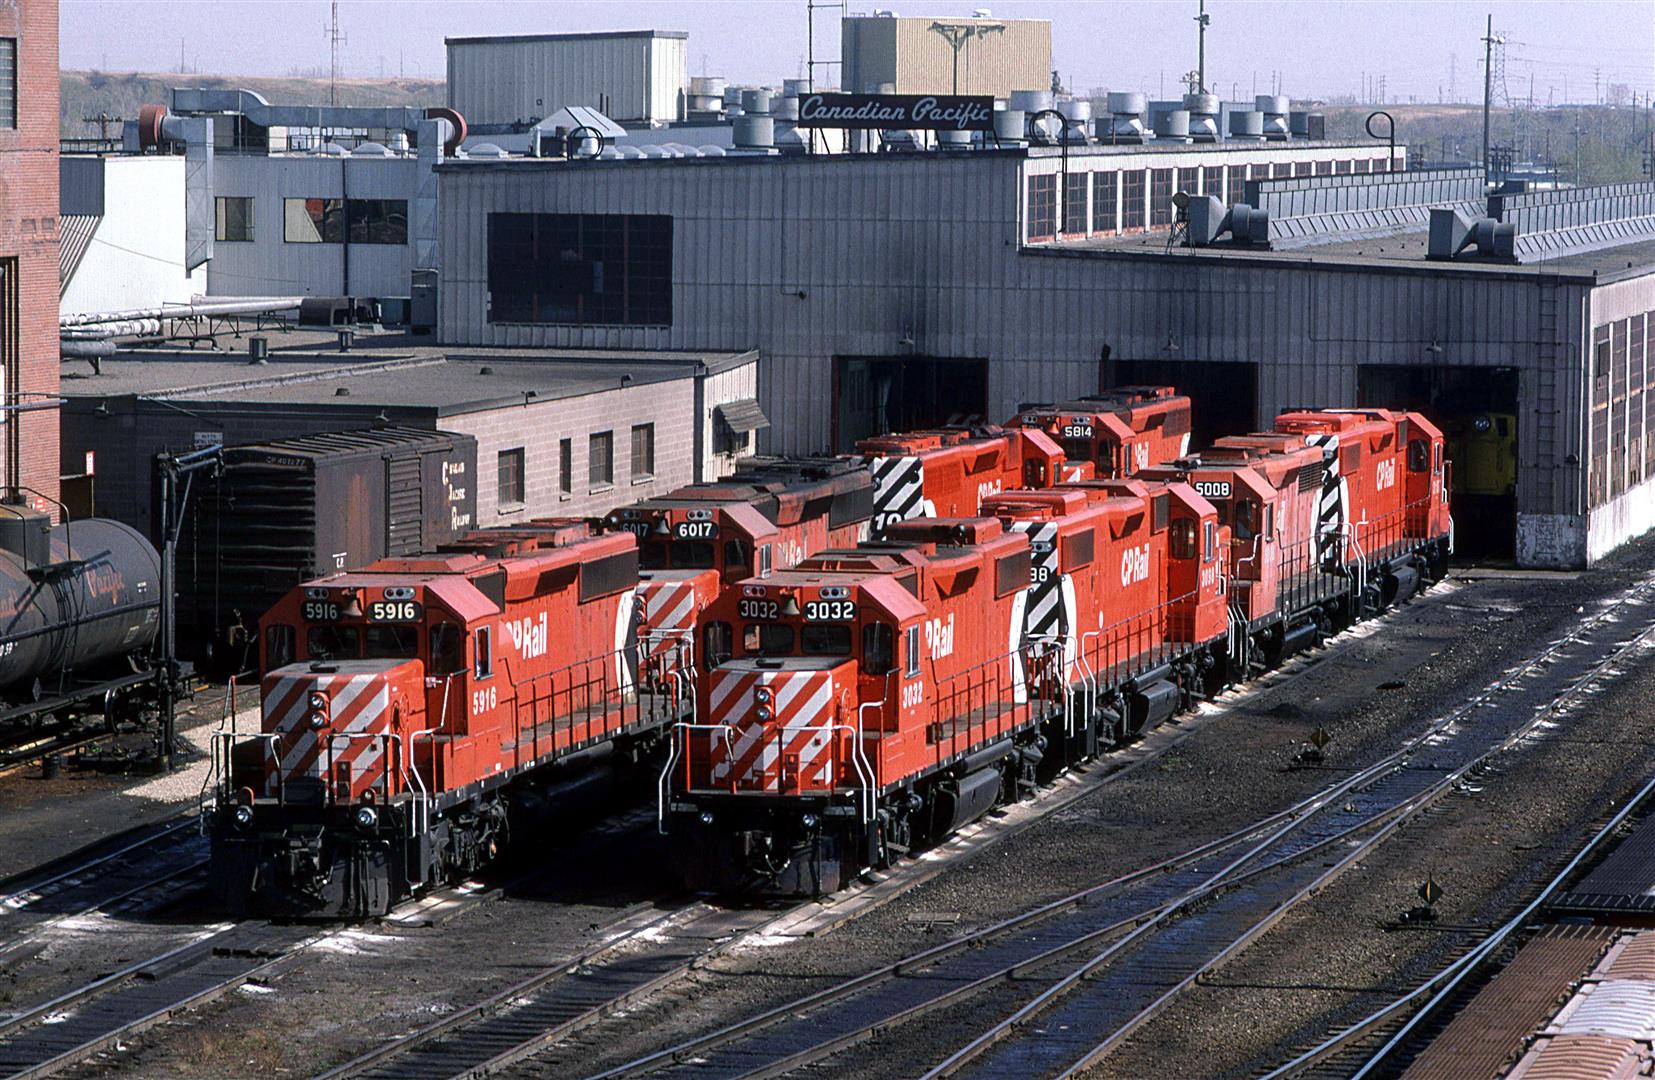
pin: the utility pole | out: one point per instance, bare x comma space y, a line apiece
1453, 64
1202, 20
334, 38
1488, 87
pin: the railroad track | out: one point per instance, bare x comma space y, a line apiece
570, 997
145, 872
1168, 924
1365, 1049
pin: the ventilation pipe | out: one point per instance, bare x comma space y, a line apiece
1203, 117
1210, 219
1126, 119
155, 128
1274, 108
1453, 232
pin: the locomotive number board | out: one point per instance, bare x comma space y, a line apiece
320, 611
830, 610
395, 611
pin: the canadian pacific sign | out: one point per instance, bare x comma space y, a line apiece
928, 112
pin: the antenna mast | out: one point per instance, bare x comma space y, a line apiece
334, 38
1202, 20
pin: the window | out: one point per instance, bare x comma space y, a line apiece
1342, 168
483, 661
1418, 456
1324, 168
1209, 541
1212, 181
1181, 539
825, 639
278, 646
580, 269
1379, 164
565, 467
1132, 200
1281, 170
446, 658
1074, 204
1160, 197
1238, 183
8, 83
1304, 168
1105, 190
1159, 507
1189, 180
509, 477
1246, 519
716, 642
392, 641
1042, 209
911, 648
643, 451
878, 649
767, 639
234, 214
600, 459
331, 643
313, 221
378, 221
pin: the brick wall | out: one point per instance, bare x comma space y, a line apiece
540, 427
29, 248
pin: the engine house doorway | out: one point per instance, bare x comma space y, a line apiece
1223, 394
1476, 407
877, 395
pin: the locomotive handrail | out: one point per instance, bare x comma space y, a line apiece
420, 818
684, 729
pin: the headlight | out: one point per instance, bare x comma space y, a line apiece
366, 817
706, 817
243, 816
318, 720
763, 695
808, 821
318, 701
762, 712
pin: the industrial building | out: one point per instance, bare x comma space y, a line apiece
29, 265
558, 432
882, 291
512, 81
979, 55
129, 250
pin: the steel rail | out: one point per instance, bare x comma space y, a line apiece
1252, 932
697, 1046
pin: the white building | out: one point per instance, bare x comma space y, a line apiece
636, 76
122, 223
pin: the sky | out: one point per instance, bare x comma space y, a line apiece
1567, 50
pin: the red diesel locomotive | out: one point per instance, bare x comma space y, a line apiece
873, 700
414, 709
816, 753
1120, 431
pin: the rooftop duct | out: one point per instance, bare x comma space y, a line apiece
1203, 110
1210, 219
1247, 126
198, 101
1173, 126
1568, 221
1454, 231
1275, 110
1126, 119
155, 127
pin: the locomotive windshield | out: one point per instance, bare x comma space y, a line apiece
767, 639
825, 639
392, 642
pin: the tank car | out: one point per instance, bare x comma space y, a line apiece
1119, 431
418, 711
80, 609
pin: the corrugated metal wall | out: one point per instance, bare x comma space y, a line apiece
269, 266
919, 60
926, 248
506, 81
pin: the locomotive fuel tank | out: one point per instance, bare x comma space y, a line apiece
72, 596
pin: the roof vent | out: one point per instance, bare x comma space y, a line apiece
1455, 231
343, 391
485, 370
1209, 219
